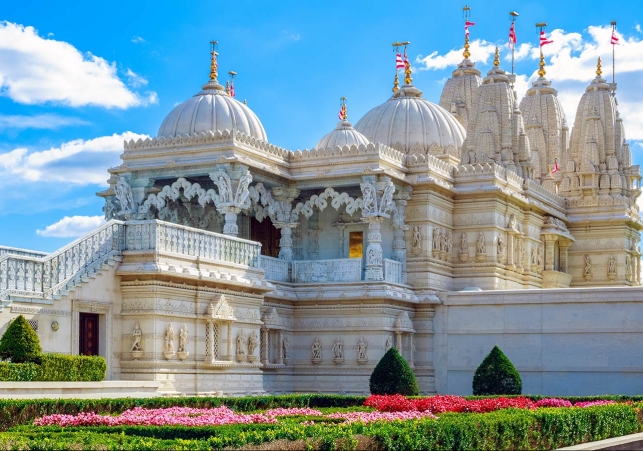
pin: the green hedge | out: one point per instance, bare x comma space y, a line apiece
501, 430
56, 367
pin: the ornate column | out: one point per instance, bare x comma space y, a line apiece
563, 245
233, 195
510, 248
264, 346
399, 227
373, 212
411, 350
211, 340
280, 354
229, 343
550, 241
398, 341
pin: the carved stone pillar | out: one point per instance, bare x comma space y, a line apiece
411, 350
399, 227
212, 356
230, 227
139, 185
264, 346
280, 354
374, 261
398, 341
510, 249
229, 343
550, 241
285, 243
564, 247
233, 194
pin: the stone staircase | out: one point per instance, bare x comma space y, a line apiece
43, 279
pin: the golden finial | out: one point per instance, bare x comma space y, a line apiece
496, 58
407, 67
396, 82
227, 87
343, 112
465, 13
245, 102
213, 63
599, 71
541, 71
466, 52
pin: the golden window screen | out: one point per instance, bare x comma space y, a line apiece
356, 241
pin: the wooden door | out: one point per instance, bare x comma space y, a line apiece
88, 339
265, 233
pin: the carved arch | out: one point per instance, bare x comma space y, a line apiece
321, 202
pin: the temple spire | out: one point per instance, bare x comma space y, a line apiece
541, 65
496, 58
466, 12
599, 70
214, 66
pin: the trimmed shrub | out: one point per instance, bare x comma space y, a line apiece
496, 375
62, 367
20, 343
393, 376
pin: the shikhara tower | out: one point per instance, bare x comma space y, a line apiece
438, 229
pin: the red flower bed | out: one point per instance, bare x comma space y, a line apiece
439, 404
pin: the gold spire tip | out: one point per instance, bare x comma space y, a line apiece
496, 58
396, 82
541, 65
407, 67
466, 52
599, 71
213, 62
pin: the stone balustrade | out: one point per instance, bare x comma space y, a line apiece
4, 250
393, 271
275, 269
339, 270
178, 239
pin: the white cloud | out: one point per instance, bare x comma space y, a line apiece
481, 51
71, 226
134, 79
40, 121
36, 70
638, 28
138, 40
75, 162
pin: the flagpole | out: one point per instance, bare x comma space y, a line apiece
541, 65
396, 80
613, 57
466, 11
513, 15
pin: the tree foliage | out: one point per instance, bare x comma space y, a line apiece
20, 343
496, 375
393, 375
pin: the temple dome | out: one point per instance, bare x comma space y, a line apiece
343, 135
213, 110
411, 124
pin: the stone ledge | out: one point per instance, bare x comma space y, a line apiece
632, 441
84, 390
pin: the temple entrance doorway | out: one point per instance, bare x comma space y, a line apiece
267, 234
88, 334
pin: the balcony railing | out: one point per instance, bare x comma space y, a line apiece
393, 271
275, 269
178, 239
339, 270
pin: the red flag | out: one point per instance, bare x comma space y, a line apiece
614, 38
232, 89
512, 35
342, 112
555, 167
468, 24
543, 39
399, 64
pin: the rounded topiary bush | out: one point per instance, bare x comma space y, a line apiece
392, 376
20, 343
496, 375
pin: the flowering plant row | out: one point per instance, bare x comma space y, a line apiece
447, 403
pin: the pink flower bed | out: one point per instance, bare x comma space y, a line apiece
553, 402
593, 403
175, 416
292, 411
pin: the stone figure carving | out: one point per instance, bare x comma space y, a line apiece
480, 246
241, 338
534, 255
338, 349
253, 342
588, 265
464, 244
540, 256
521, 252
223, 183
124, 195
110, 210
436, 239
137, 336
183, 338
316, 349
286, 348
386, 202
389, 343
628, 267
369, 202
417, 238
501, 245
512, 223
361, 349
169, 339
448, 241
242, 189
611, 265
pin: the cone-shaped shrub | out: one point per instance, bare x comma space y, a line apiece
496, 375
393, 376
20, 343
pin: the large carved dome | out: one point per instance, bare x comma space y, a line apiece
212, 109
411, 124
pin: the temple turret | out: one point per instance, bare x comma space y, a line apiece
495, 129
546, 125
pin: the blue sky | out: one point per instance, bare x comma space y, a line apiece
78, 77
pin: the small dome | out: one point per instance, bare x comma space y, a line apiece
408, 122
212, 109
343, 135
